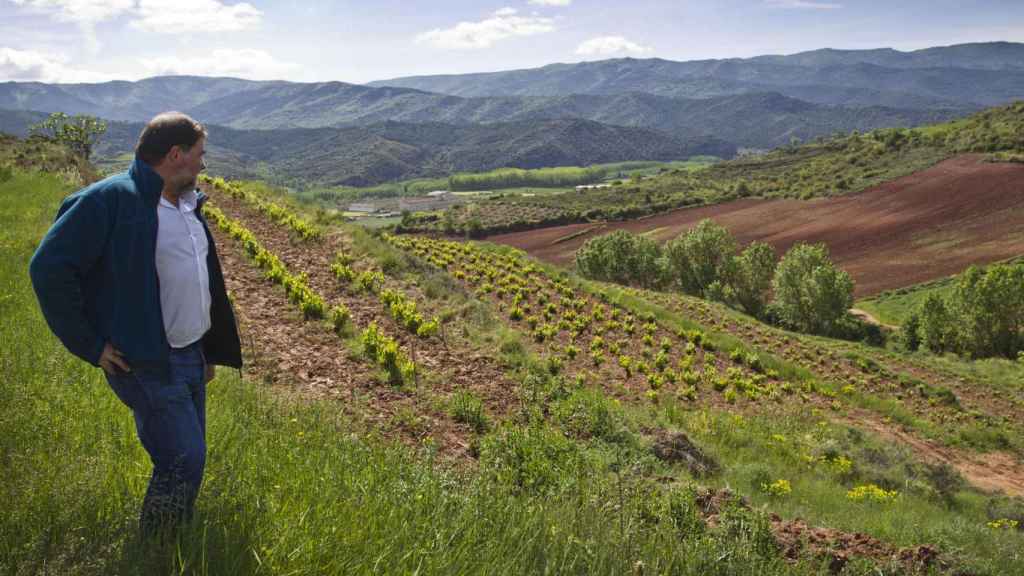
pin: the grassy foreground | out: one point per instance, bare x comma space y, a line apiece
288, 488
291, 487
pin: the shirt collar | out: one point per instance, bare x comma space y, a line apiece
186, 202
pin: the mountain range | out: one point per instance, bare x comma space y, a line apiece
635, 109
965, 75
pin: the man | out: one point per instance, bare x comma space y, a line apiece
128, 279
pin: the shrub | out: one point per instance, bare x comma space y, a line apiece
935, 324
621, 257
752, 280
811, 294
909, 332
701, 256
988, 310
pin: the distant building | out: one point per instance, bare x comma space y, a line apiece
367, 207
583, 187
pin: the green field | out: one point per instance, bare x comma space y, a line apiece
546, 179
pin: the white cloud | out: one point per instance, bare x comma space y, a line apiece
32, 66
504, 23
551, 2
811, 4
247, 63
185, 16
608, 45
179, 17
79, 11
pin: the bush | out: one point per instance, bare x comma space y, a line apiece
909, 337
621, 257
987, 310
811, 294
935, 324
701, 256
753, 272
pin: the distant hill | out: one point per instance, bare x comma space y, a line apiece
387, 151
755, 120
967, 75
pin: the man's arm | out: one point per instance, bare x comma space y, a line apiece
69, 250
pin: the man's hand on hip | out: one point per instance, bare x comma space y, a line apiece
112, 361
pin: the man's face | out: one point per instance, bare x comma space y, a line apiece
190, 164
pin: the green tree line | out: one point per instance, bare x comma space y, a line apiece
810, 293
518, 177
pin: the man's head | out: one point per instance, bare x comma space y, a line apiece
174, 145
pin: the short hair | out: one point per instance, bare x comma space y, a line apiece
166, 131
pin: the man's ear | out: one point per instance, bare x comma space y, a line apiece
174, 154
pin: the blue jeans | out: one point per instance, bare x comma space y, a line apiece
170, 419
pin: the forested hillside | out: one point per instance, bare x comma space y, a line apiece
389, 151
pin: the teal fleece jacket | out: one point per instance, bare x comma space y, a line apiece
95, 276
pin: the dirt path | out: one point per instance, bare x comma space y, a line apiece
990, 471
920, 227
870, 319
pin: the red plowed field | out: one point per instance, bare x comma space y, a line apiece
927, 225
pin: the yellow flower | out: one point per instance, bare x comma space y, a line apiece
872, 493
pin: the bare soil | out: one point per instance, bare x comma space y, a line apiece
796, 539
309, 357
927, 225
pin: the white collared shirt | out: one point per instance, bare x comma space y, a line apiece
181, 249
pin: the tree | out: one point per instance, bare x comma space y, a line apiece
935, 323
810, 292
987, 310
621, 257
909, 332
752, 278
701, 256
80, 132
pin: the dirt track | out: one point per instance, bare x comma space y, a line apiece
923, 226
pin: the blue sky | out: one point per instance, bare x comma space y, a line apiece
98, 40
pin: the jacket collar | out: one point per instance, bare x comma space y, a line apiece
149, 183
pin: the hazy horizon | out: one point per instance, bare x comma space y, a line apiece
68, 41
